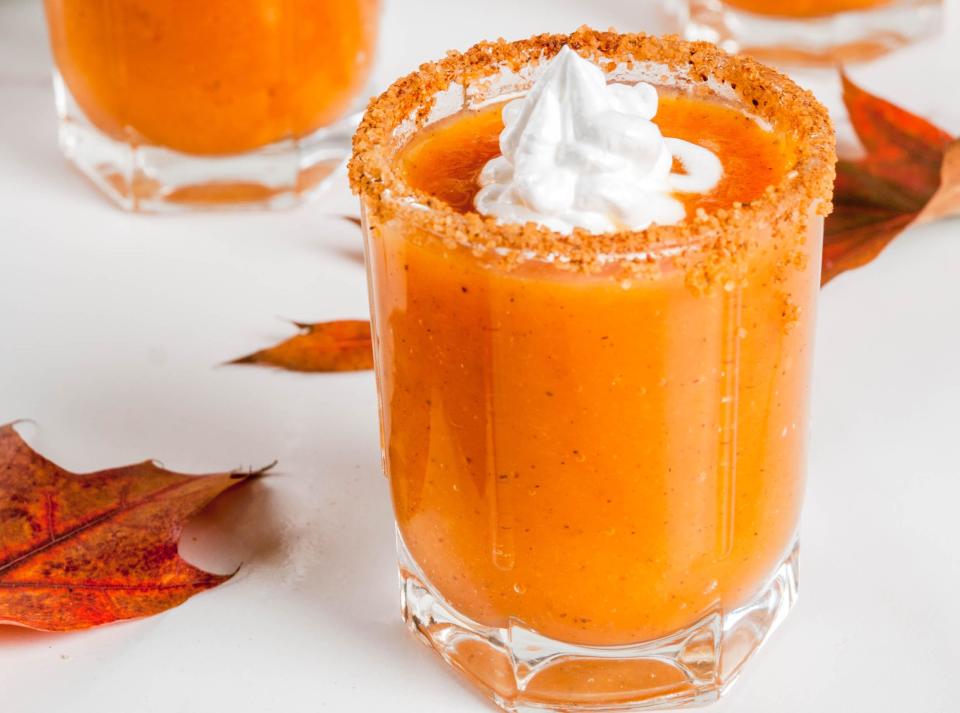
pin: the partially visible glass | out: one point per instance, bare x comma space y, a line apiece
810, 32
178, 104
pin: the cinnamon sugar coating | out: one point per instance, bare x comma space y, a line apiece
710, 245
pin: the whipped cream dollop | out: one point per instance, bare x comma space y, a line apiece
580, 153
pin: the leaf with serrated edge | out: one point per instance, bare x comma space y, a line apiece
81, 550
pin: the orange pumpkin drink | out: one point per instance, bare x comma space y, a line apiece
209, 82
593, 304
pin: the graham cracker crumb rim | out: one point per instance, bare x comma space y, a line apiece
806, 186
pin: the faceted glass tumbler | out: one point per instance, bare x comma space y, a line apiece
171, 106
597, 473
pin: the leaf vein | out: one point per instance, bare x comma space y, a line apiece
89, 524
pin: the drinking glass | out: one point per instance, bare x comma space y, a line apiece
596, 453
178, 104
810, 31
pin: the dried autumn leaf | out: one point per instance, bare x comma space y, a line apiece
946, 201
343, 345
81, 550
909, 173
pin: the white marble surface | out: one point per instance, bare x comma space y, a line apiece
112, 325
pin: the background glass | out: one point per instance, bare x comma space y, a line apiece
810, 31
173, 104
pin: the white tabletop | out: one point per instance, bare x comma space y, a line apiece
112, 327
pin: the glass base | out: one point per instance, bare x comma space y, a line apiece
524, 672
154, 179
841, 37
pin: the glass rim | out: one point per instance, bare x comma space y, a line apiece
805, 188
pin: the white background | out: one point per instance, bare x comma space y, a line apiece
112, 327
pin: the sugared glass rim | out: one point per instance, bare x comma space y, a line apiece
806, 186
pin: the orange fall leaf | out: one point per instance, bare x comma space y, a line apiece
81, 550
327, 346
909, 174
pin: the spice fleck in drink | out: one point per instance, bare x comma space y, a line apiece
594, 405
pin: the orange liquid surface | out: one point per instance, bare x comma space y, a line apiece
213, 76
604, 462
446, 159
804, 8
